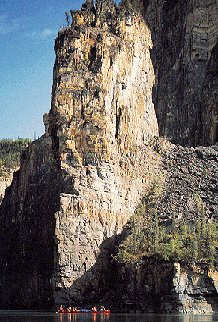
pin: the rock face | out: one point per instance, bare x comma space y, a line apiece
81, 181
184, 56
10, 151
166, 287
100, 91
27, 228
151, 286
191, 173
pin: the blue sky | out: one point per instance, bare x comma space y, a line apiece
27, 32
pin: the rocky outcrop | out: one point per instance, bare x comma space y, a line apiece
27, 229
100, 91
196, 289
10, 151
151, 285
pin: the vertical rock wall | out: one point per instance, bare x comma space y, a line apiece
102, 99
27, 229
184, 35
209, 105
148, 286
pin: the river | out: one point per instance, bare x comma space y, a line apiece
25, 316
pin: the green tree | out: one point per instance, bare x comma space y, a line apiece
184, 241
10, 151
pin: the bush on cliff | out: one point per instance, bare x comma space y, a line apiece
10, 151
175, 240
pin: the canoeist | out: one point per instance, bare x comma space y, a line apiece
69, 309
61, 309
94, 309
102, 308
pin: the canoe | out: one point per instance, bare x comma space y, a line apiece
84, 311
102, 312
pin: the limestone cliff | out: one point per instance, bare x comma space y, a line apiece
81, 181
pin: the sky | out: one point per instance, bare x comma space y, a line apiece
27, 32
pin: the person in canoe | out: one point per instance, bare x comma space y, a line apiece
69, 309
75, 310
102, 308
61, 310
94, 309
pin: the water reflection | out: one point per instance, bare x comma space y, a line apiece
84, 317
88, 317
21, 316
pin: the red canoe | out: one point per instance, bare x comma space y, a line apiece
97, 312
102, 312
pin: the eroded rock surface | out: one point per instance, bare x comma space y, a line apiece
191, 173
101, 91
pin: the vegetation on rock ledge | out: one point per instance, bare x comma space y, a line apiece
171, 240
10, 151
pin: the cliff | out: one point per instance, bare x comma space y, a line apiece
82, 180
165, 287
148, 283
79, 184
184, 56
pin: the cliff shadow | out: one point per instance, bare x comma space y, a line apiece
96, 285
185, 70
27, 224
146, 285
131, 287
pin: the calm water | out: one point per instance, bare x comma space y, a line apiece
19, 316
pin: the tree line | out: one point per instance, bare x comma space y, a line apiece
176, 240
10, 151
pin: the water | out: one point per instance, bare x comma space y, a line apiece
24, 316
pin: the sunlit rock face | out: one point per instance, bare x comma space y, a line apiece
103, 115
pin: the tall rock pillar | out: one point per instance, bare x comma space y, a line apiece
103, 115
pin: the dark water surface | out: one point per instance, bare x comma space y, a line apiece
24, 316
